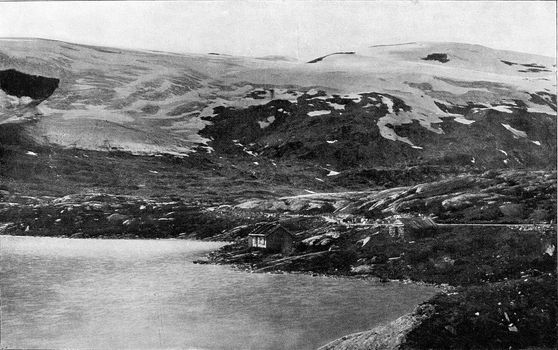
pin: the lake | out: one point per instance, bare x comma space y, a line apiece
146, 294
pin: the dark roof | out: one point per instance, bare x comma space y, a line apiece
266, 229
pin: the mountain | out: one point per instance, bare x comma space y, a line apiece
430, 162
394, 105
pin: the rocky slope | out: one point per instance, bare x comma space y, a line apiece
104, 142
379, 106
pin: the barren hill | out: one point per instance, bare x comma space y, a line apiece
416, 103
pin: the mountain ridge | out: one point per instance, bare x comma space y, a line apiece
409, 108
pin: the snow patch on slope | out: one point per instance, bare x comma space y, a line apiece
515, 132
463, 120
318, 113
264, 124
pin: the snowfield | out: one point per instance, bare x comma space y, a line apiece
150, 102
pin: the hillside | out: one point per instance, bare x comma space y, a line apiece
422, 103
459, 140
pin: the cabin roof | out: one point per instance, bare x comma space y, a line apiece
264, 230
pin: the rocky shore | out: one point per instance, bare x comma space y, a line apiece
515, 312
508, 315
388, 336
500, 294
493, 244
501, 276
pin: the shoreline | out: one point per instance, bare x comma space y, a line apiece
429, 319
442, 287
238, 268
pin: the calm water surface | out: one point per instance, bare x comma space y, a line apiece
130, 294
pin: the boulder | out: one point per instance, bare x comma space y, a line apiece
4, 228
117, 218
512, 210
443, 263
131, 223
362, 269
319, 207
463, 200
321, 240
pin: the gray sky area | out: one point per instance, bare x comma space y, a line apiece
300, 29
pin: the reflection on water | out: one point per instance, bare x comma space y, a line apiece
63, 293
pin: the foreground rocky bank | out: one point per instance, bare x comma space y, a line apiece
506, 315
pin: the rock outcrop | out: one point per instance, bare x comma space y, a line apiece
19, 84
391, 336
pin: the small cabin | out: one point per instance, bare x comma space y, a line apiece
406, 226
272, 237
